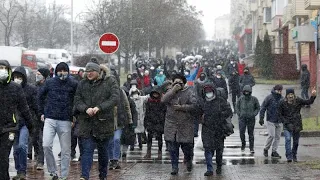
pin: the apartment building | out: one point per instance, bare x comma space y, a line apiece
222, 27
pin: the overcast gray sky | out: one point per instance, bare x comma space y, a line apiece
211, 10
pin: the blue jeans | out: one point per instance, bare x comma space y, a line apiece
291, 153
208, 154
187, 149
63, 129
88, 146
20, 149
114, 148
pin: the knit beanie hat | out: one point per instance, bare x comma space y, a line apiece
44, 72
92, 67
290, 90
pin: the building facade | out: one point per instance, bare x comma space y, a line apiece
222, 27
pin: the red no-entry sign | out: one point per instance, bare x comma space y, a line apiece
109, 43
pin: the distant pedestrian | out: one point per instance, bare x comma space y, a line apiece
289, 114
247, 108
246, 79
234, 87
271, 106
305, 82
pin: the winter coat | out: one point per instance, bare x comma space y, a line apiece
123, 116
231, 68
155, 116
221, 83
213, 130
102, 93
12, 99
128, 136
179, 125
159, 79
289, 114
140, 103
271, 105
246, 79
247, 107
241, 68
56, 98
305, 77
30, 91
234, 85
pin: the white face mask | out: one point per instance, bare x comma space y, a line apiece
218, 76
209, 95
134, 86
231, 62
186, 73
3, 74
18, 81
135, 96
161, 73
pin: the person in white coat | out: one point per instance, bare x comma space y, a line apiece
140, 102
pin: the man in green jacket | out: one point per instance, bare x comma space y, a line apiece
247, 109
96, 97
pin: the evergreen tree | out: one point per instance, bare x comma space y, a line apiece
258, 53
267, 57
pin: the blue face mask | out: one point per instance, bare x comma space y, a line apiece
62, 76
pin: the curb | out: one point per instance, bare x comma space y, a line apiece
302, 133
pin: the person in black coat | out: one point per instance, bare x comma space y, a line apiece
12, 99
213, 134
154, 121
289, 115
20, 146
220, 82
305, 82
234, 87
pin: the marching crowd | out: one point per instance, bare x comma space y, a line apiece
169, 98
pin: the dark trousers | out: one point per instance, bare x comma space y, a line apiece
141, 139
247, 123
196, 126
305, 93
75, 140
88, 145
35, 141
234, 95
158, 137
187, 149
5, 146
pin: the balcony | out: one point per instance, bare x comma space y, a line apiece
252, 5
287, 15
276, 23
312, 4
298, 9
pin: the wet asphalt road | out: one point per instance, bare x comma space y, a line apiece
238, 165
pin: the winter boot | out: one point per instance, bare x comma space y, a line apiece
148, 155
116, 164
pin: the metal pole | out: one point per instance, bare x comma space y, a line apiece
71, 32
317, 60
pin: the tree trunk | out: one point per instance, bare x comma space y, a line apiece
158, 52
119, 62
126, 61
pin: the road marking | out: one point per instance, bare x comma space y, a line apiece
109, 43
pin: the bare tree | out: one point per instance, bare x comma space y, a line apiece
9, 11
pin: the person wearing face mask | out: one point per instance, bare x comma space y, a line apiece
140, 102
160, 78
20, 146
289, 114
179, 124
41, 77
95, 100
220, 82
127, 83
270, 105
55, 102
14, 107
232, 66
247, 109
246, 79
213, 133
234, 87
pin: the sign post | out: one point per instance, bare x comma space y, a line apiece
109, 43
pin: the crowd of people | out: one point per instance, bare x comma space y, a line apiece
169, 97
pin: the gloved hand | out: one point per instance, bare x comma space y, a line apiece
261, 122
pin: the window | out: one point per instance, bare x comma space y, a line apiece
267, 15
29, 58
